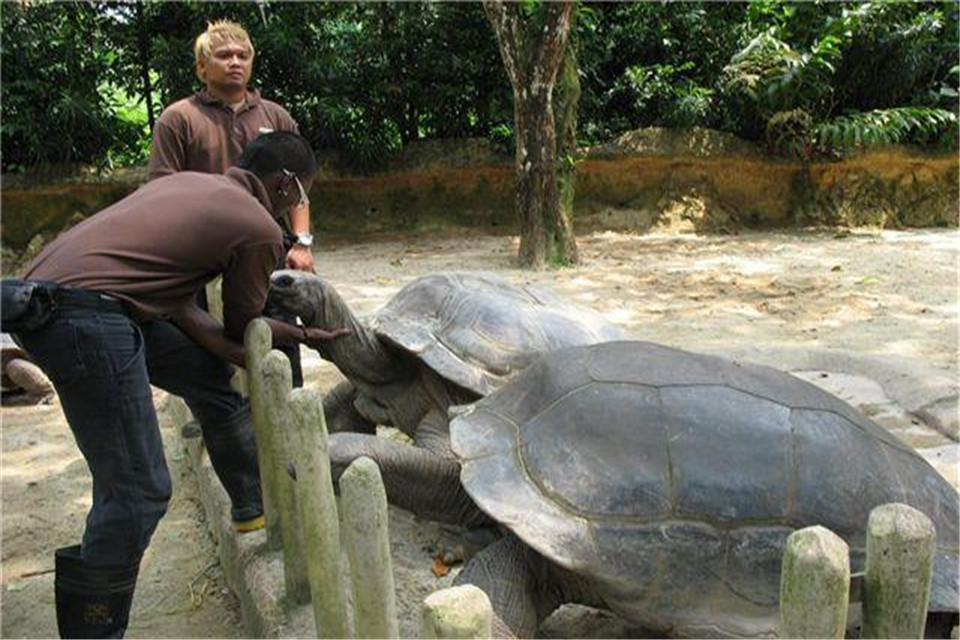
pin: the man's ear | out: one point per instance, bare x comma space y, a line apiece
289, 181
202, 69
281, 183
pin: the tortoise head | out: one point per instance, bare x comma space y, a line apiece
303, 294
359, 355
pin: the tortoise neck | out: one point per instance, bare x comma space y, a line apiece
359, 355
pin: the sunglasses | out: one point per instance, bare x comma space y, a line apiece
304, 200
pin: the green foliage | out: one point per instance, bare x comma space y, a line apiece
774, 75
847, 77
365, 79
645, 64
504, 136
360, 78
51, 109
665, 90
887, 126
131, 128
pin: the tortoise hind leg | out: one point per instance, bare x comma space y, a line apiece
507, 571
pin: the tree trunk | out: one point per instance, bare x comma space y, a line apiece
532, 61
567, 100
536, 177
143, 41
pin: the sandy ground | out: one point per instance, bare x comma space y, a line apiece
889, 294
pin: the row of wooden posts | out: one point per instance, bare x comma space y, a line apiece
302, 520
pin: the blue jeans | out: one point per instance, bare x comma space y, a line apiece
102, 363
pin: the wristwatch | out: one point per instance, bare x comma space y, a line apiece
304, 239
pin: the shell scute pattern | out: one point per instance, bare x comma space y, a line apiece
477, 330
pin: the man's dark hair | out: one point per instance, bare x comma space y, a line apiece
277, 150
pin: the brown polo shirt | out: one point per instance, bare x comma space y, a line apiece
200, 133
158, 246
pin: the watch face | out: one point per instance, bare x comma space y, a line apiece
305, 239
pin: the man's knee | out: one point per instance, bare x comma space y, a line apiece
119, 534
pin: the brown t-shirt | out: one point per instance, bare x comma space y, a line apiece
200, 133
158, 246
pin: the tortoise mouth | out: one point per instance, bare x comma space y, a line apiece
289, 294
282, 295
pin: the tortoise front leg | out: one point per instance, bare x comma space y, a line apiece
415, 479
340, 412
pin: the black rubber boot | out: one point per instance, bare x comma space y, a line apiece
92, 602
233, 454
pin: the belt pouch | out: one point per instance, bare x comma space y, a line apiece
25, 305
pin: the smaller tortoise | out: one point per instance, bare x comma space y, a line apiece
20, 375
443, 339
661, 485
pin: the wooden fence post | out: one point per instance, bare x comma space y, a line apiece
319, 521
270, 381
257, 341
363, 502
814, 585
901, 544
458, 612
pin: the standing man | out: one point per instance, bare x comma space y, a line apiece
207, 132
113, 311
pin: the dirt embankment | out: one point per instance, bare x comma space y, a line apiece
651, 179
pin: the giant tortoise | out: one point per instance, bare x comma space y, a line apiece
659, 484
19, 375
443, 339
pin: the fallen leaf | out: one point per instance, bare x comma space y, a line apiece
836, 268
439, 569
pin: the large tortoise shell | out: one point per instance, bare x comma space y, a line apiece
674, 478
477, 330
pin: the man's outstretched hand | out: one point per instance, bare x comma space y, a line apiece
315, 335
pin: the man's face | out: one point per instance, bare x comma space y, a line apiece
228, 67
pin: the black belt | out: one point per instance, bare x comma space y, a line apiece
72, 297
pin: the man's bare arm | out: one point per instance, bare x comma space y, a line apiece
284, 333
209, 334
300, 257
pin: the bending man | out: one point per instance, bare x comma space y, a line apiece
124, 283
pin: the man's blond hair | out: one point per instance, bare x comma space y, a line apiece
216, 34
